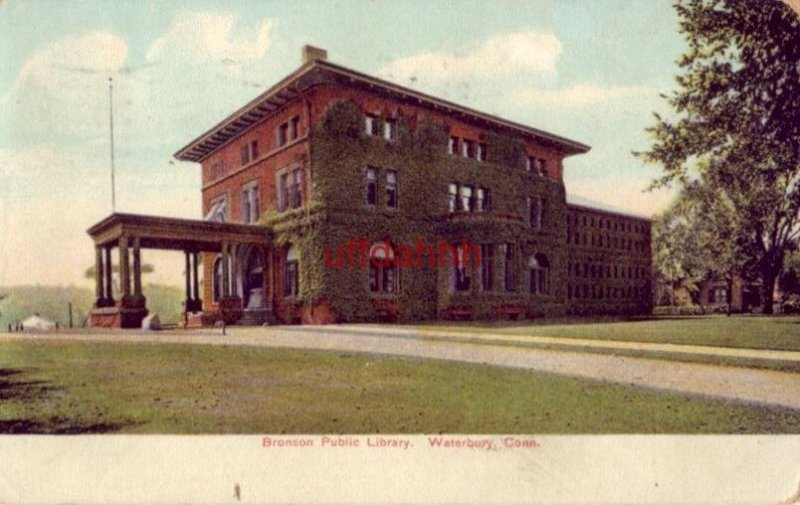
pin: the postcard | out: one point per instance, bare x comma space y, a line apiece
524, 251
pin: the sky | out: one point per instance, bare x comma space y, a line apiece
589, 70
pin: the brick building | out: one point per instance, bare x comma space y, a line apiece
458, 214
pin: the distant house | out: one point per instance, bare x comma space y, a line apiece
741, 295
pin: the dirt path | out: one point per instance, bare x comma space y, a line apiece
734, 383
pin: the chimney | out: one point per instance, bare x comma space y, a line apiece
311, 53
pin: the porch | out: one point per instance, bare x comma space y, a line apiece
236, 291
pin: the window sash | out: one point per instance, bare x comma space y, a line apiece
452, 146
509, 267
466, 198
290, 286
487, 267
391, 189
390, 129
371, 187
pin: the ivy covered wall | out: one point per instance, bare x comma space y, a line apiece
337, 213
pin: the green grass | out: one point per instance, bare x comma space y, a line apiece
70, 387
755, 332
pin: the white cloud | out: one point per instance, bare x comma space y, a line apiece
206, 35
508, 55
61, 91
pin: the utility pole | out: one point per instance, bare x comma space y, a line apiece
111, 131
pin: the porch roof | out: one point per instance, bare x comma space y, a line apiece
157, 232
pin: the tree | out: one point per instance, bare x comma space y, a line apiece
736, 122
90, 274
677, 258
716, 228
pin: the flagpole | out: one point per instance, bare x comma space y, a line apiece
111, 130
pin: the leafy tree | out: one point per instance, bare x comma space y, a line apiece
716, 230
147, 268
677, 258
736, 122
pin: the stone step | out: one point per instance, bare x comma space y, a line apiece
257, 317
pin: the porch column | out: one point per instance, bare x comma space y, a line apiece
107, 272
98, 276
234, 250
124, 268
188, 304
137, 268
225, 277
195, 279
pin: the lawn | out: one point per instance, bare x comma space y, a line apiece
70, 387
755, 332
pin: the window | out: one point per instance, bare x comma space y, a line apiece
481, 155
391, 189
480, 200
371, 186
291, 273
539, 269
283, 134
541, 167
462, 273
290, 193
487, 267
452, 200
509, 270
466, 198
217, 285
218, 211
295, 193
535, 165
390, 130
293, 128
249, 152
250, 204
382, 269
452, 146
468, 149
536, 207
371, 125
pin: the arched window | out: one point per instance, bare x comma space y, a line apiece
291, 272
217, 284
382, 268
539, 266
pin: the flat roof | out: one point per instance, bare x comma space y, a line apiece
583, 203
288, 88
157, 232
